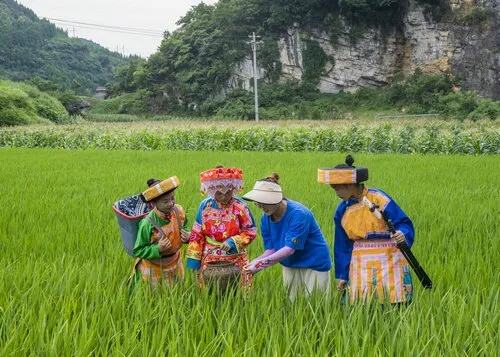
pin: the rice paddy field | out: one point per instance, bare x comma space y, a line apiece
63, 272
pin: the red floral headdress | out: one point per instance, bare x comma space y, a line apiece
221, 179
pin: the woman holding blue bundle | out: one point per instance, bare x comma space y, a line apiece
292, 238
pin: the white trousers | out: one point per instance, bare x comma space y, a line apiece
305, 280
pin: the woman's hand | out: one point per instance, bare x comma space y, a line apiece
341, 284
225, 246
399, 237
164, 245
229, 248
185, 236
250, 267
254, 267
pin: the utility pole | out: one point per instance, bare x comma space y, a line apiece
255, 91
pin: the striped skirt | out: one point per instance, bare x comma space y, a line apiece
379, 271
168, 270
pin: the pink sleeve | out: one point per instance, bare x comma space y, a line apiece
276, 257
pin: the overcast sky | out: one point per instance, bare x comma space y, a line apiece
156, 15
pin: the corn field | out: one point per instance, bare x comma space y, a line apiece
63, 280
378, 138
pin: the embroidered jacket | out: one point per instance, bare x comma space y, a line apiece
214, 225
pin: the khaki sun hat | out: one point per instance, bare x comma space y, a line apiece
265, 192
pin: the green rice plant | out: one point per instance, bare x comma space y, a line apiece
63, 271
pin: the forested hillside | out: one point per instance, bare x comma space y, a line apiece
34, 49
196, 61
307, 47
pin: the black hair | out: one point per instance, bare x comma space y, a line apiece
349, 161
152, 182
362, 173
274, 177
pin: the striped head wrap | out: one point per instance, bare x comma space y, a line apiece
343, 173
160, 188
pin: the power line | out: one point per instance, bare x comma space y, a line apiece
143, 31
115, 31
152, 31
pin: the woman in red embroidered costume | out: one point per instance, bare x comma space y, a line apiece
224, 226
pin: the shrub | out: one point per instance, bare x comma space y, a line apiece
236, 109
11, 96
314, 61
50, 108
419, 93
24, 104
16, 107
72, 103
487, 109
14, 116
457, 105
130, 103
475, 16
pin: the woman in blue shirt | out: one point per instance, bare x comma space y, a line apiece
291, 237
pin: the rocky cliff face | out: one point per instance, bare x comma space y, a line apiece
469, 50
476, 55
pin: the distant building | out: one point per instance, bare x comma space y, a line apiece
101, 92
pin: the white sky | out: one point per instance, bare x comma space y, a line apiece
159, 15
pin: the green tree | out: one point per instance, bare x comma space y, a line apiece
33, 48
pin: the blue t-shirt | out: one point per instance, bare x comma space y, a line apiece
297, 229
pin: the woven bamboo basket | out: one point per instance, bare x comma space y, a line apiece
221, 275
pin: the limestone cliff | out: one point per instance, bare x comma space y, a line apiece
464, 42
